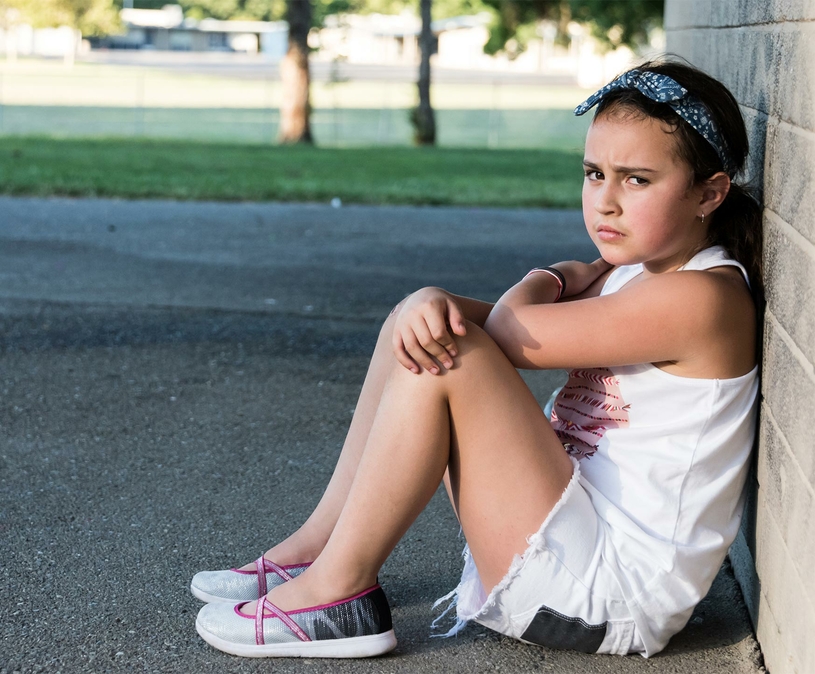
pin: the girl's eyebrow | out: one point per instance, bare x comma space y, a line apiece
619, 169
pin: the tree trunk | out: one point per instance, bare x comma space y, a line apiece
424, 122
295, 108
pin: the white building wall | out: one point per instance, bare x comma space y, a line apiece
764, 50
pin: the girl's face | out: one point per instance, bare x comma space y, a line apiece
639, 201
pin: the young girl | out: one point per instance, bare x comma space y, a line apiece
601, 528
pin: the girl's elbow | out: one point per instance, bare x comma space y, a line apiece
499, 324
493, 327
502, 336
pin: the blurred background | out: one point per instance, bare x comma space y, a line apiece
460, 102
211, 69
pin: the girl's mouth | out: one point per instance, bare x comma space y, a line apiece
606, 233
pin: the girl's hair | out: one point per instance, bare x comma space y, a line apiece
736, 223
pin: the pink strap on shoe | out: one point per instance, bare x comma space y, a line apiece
265, 566
263, 605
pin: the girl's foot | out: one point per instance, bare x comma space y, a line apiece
245, 584
356, 627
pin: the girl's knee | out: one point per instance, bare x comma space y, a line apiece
386, 330
475, 349
476, 340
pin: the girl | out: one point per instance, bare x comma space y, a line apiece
601, 528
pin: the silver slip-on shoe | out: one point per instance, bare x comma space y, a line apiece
233, 585
357, 627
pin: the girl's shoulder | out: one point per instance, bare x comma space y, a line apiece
714, 258
708, 306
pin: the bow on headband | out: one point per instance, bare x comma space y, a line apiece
664, 89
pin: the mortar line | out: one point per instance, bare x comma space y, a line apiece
788, 230
769, 514
766, 607
775, 120
799, 355
734, 26
756, 110
794, 128
766, 409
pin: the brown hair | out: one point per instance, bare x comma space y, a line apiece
736, 223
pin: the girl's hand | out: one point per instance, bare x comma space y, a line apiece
580, 275
423, 332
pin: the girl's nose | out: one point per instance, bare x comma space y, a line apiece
607, 201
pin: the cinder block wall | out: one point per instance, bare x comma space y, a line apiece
764, 51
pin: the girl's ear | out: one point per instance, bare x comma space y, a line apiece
714, 191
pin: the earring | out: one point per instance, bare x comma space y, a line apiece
703, 218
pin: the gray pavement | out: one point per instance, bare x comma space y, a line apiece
176, 381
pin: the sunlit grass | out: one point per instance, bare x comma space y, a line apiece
139, 168
341, 127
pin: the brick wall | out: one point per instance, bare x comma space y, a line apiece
764, 51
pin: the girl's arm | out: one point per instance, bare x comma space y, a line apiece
702, 322
428, 320
582, 280
425, 325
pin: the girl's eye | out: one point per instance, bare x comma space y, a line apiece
638, 181
591, 174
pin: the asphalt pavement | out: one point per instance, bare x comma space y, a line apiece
176, 382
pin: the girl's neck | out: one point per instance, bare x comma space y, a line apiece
673, 263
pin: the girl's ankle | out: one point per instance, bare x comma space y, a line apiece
285, 554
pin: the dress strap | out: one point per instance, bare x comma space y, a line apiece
715, 256
619, 277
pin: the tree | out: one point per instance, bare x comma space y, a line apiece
84, 17
295, 108
253, 10
631, 20
294, 70
423, 119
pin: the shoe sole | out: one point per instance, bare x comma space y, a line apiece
351, 647
215, 599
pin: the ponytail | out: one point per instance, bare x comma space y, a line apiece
737, 227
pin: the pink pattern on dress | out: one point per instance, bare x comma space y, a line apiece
587, 406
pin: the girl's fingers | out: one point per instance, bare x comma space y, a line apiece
440, 343
402, 355
413, 345
456, 319
424, 336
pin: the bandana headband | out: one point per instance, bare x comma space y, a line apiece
664, 89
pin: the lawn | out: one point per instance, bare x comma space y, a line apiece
36, 82
149, 168
230, 101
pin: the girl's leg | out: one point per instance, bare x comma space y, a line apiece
507, 471
305, 544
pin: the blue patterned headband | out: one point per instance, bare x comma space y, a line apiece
664, 89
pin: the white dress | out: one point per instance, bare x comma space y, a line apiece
654, 503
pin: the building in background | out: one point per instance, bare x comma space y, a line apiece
393, 40
167, 29
374, 39
155, 29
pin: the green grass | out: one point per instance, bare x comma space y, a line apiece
142, 168
340, 127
